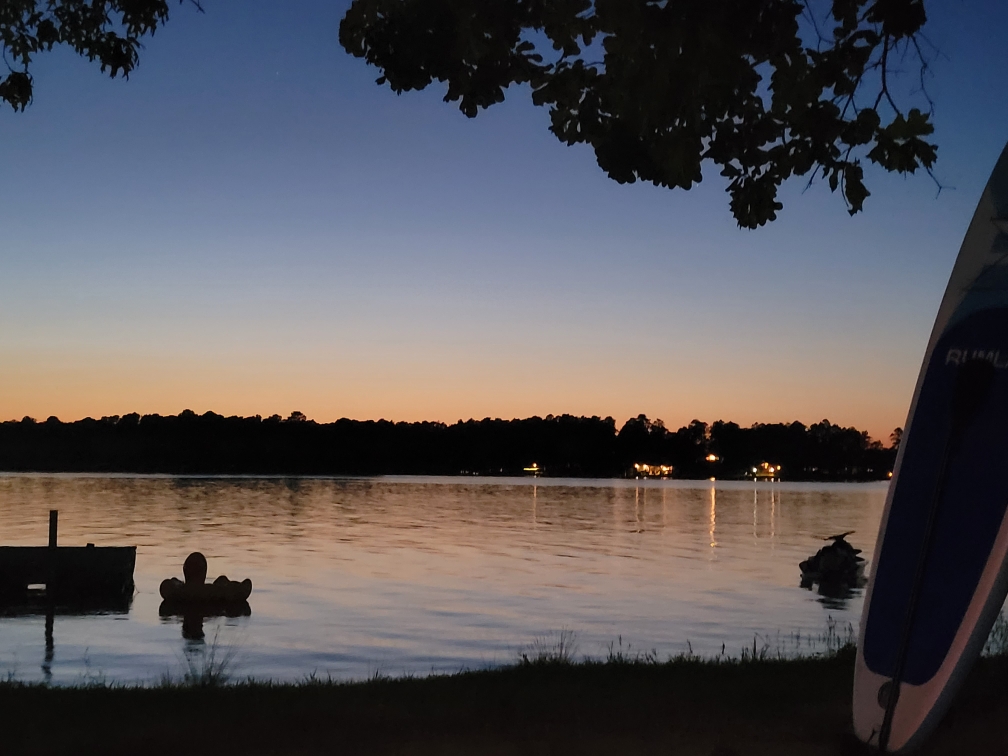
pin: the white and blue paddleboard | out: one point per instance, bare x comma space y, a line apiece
940, 570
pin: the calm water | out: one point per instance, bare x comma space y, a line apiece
395, 575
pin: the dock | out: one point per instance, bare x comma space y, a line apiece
66, 574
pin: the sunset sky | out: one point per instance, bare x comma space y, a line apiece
250, 225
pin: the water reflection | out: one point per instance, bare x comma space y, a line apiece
833, 595
415, 574
771, 530
755, 507
50, 645
713, 516
193, 617
38, 606
773, 522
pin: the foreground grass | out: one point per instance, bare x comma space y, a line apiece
685, 706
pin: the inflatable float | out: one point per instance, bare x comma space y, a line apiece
220, 591
195, 591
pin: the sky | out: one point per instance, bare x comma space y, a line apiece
249, 225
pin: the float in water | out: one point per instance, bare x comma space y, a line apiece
194, 591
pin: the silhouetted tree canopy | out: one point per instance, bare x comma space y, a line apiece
106, 31
561, 445
763, 89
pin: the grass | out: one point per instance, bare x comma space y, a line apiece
560, 648
205, 666
781, 695
549, 702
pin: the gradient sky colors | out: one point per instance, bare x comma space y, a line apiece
250, 225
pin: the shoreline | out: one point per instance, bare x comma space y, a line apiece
557, 445
527, 480
620, 706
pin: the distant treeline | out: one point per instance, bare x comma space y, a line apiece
564, 445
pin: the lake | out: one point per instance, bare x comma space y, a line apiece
389, 576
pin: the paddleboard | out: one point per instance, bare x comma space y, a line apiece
940, 570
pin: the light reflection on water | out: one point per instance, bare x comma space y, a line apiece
395, 575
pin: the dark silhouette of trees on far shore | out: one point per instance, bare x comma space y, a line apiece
563, 445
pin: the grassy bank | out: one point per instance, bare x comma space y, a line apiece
684, 706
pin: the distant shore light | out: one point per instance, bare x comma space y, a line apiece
645, 470
766, 471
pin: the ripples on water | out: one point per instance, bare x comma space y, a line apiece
392, 575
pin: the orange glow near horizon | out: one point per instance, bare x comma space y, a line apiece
414, 391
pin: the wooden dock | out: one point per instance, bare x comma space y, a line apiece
69, 574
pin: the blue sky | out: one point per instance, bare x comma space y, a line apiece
251, 225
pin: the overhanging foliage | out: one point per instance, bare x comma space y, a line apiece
763, 89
